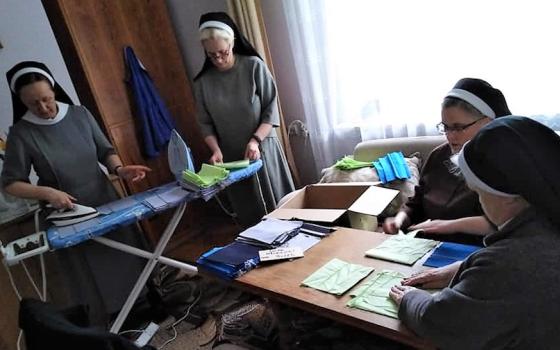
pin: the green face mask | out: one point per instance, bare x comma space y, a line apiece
336, 276
402, 249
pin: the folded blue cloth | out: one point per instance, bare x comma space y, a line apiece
447, 253
392, 166
231, 261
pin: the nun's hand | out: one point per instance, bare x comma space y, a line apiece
133, 172
391, 225
252, 151
397, 292
433, 278
59, 199
217, 157
441, 227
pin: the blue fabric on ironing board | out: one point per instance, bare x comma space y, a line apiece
154, 116
137, 207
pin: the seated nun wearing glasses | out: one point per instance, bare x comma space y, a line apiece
506, 295
443, 206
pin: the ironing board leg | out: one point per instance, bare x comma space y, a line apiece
189, 269
167, 233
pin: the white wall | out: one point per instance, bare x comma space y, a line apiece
26, 35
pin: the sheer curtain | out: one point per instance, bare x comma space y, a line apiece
372, 69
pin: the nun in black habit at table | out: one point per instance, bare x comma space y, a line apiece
443, 206
64, 145
506, 295
237, 112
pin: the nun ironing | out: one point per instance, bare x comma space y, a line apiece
506, 295
64, 145
237, 113
443, 206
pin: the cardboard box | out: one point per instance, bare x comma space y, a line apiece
353, 204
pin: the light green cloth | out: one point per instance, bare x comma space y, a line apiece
402, 249
336, 276
207, 176
349, 163
238, 164
373, 295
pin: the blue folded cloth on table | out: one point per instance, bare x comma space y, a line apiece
447, 253
231, 261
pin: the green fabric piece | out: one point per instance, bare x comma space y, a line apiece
402, 249
349, 163
207, 176
238, 164
336, 276
373, 295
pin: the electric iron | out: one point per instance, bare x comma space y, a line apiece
178, 155
78, 213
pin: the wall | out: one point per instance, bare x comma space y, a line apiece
184, 18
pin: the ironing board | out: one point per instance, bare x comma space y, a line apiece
131, 209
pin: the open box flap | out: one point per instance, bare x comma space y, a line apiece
315, 215
373, 201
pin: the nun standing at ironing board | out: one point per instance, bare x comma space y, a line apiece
237, 113
443, 206
63, 144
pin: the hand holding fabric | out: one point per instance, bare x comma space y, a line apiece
393, 224
133, 172
398, 292
217, 157
434, 278
252, 151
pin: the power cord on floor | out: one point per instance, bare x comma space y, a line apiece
41, 294
167, 342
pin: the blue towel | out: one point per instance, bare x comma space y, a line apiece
155, 120
380, 172
448, 253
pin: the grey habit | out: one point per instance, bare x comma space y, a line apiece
231, 105
505, 296
65, 156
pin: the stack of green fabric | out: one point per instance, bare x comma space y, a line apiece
349, 163
207, 176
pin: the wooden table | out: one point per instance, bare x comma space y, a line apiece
281, 281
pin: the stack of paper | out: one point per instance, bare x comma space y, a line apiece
270, 233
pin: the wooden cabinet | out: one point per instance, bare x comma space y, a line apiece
92, 35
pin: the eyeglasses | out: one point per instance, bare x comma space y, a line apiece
445, 129
219, 54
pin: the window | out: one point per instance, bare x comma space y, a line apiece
394, 60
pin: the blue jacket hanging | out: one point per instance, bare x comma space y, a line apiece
155, 119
